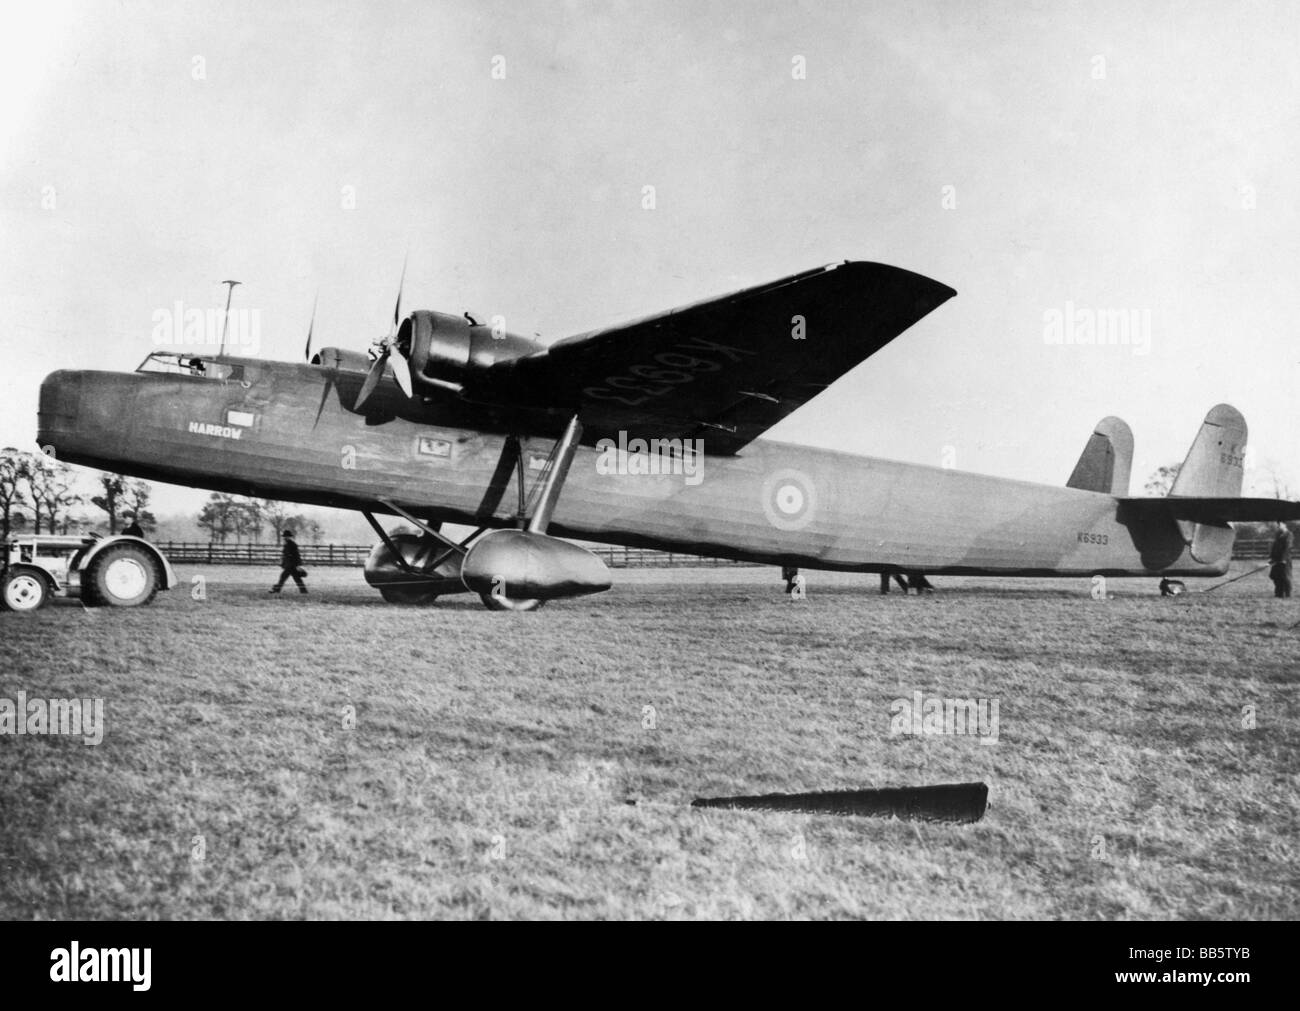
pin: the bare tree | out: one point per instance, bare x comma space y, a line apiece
306, 528
136, 497
276, 514
1162, 480
12, 496
51, 486
110, 501
218, 516
251, 518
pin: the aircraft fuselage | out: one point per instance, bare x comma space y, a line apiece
283, 431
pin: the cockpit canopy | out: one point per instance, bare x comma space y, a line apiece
200, 366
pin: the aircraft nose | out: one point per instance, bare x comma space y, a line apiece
57, 409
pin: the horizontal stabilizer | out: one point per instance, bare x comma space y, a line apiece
1218, 510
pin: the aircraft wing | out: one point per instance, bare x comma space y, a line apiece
1217, 510
726, 369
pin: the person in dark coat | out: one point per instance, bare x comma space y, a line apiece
895, 575
134, 529
791, 576
920, 584
1279, 558
290, 564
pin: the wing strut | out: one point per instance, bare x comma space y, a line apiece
453, 548
553, 483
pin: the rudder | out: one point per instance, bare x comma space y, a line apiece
1107, 459
1214, 468
1215, 464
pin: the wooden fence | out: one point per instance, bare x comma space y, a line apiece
1252, 547
268, 555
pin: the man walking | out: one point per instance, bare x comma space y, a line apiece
290, 564
1279, 558
895, 575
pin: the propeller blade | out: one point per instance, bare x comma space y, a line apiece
397, 309
372, 379
311, 326
402, 372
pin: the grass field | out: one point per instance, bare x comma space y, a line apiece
333, 756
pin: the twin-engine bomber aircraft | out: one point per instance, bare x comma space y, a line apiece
644, 434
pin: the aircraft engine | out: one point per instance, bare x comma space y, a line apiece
455, 351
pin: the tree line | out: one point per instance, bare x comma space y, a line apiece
244, 518
40, 492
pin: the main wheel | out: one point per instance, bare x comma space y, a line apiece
407, 595
122, 575
495, 602
24, 590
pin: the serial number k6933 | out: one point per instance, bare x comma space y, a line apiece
1087, 538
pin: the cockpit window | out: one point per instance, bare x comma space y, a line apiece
201, 366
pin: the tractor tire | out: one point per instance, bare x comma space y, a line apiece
24, 590
121, 575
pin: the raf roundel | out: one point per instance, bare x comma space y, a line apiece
789, 499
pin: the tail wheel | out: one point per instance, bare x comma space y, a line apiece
24, 590
496, 602
121, 575
407, 595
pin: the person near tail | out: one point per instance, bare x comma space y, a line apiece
1279, 560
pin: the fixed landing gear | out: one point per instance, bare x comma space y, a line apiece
410, 595
502, 603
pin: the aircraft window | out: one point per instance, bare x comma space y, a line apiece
170, 363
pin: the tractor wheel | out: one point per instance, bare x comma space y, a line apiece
24, 590
407, 595
122, 575
496, 602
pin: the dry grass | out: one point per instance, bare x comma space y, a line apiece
495, 758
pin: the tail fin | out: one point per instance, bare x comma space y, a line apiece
1214, 468
1214, 464
1107, 459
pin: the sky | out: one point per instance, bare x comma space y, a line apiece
1050, 161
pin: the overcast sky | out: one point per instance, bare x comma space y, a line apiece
1108, 156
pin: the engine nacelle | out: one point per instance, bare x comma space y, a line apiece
445, 349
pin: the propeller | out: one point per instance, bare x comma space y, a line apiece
386, 346
311, 326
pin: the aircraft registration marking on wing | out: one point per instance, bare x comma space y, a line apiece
677, 369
